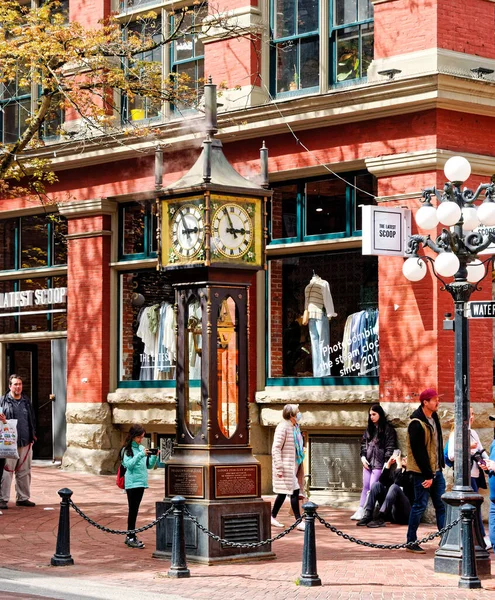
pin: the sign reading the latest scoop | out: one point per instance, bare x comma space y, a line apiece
385, 230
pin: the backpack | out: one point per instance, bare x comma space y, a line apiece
448, 462
120, 479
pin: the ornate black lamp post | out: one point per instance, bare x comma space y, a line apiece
457, 249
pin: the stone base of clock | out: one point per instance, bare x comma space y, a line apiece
244, 521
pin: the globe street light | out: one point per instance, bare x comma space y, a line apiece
457, 249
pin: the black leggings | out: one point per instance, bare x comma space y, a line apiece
294, 503
134, 497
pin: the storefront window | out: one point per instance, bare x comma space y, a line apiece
34, 242
147, 327
137, 230
324, 317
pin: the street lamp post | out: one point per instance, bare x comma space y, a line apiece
457, 250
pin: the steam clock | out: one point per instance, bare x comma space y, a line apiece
212, 242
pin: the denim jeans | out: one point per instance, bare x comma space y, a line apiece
420, 503
491, 523
319, 333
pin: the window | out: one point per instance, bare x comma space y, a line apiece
147, 330
320, 208
299, 38
137, 230
352, 38
323, 318
187, 53
15, 108
295, 35
33, 242
143, 66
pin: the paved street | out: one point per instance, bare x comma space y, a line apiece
105, 569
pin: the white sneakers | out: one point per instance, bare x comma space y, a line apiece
359, 514
301, 526
276, 523
488, 544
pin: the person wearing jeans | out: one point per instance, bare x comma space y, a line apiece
425, 459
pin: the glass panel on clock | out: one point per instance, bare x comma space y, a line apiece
228, 367
193, 349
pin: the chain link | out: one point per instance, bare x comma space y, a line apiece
217, 538
354, 540
119, 531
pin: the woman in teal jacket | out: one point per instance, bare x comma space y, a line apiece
136, 459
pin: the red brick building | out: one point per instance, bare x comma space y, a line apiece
343, 129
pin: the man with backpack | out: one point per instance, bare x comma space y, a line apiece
16, 405
425, 461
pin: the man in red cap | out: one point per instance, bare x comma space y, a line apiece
425, 460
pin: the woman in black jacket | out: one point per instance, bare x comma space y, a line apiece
377, 446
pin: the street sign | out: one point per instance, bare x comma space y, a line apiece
481, 310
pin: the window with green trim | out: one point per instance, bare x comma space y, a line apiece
187, 54
320, 208
141, 106
297, 43
137, 230
34, 241
15, 108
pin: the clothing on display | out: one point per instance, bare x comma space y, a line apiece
318, 309
156, 329
360, 344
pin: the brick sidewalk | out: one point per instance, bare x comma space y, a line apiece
347, 571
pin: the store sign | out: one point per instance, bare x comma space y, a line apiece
33, 298
385, 230
481, 310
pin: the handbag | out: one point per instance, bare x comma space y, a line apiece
8, 439
120, 479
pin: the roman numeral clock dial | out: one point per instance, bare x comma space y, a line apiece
187, 231
232, 231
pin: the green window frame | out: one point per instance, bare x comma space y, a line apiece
187, 56
310, 208
15, 109
138, 219
142, 108
295, 42
351, 47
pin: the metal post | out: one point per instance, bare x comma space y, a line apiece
309, 576
178, 567
469, 577
62, 555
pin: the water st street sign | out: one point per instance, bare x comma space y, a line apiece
481, 309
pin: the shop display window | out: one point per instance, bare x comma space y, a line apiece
147, 330
305, 290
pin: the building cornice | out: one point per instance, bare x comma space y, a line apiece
87, 208
426, 160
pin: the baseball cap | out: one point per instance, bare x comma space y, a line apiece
428, 394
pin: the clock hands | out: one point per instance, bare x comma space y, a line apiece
231, 229
186, 229
189, 231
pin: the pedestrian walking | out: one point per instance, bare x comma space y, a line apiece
425, 458
287, 463
137, 460
15, 404
377, 445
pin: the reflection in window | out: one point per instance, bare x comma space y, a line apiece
188, 55
147, 329
34, 242
228, 367
137, 224
326, 206
354, 41
284, 211
8, 229
296, 41
192, 387
15, 107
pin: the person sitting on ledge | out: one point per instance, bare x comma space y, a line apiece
394, 493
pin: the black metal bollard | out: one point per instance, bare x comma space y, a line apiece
469, 576
62, 555
178, 567
309, 576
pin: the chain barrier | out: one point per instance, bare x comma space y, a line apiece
119, 531
354, 540
217, 538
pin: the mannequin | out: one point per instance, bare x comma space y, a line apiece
318, 309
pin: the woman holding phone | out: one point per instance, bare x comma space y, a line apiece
137, 460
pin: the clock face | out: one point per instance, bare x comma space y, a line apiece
187, 231
232, 230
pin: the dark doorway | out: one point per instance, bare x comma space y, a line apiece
33, 363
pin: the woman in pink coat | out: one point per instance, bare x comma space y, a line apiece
287, 458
